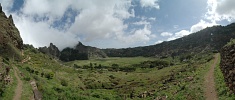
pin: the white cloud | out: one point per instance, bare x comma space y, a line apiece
141, 23
90, 21
166, 34
201, 25
226, 9
41, 34
149, 3
102, 20
158, 42
6, 5
195, 28
138, 36
51, 9
219, 10
152, 19
179, 35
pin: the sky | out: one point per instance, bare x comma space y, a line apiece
114, 23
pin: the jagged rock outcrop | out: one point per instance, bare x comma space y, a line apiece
52, 51
10, 41
81, 52
227, 65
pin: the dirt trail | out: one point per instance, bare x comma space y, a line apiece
18, 90
209, 83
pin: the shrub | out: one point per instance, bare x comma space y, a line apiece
64, 82
32, 71
36, 72
49, 75
42, 74
96, 95
27, 78
28, 69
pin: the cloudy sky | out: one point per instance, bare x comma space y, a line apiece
114, 23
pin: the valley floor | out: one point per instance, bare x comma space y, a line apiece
182, 80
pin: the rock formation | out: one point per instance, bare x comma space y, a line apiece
10, 40
227, 65
81, 52
52, 51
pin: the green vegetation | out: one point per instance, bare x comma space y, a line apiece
231, 42
117, 78
7, 90
223, 91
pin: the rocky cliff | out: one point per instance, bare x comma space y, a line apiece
51, 50
81, 52
227, 64
10, 41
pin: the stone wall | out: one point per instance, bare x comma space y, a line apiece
227, 65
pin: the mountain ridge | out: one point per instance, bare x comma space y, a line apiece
10, 41
211, 38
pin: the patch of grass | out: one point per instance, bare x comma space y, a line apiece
231, 42
122, 61
222, 90
10, 89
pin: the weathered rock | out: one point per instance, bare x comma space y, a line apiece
227, 65
81, 52
52, 51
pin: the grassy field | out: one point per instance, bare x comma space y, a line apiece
178, 79
122, 61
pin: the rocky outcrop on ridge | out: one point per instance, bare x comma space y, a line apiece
52, 50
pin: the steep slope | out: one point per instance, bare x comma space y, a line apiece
227, 64
10, 40
212, 38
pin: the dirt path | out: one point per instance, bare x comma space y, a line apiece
18, 90
209, 83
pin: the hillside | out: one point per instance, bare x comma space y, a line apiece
78, 52
10, 40
209, 39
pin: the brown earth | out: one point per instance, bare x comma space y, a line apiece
210, 92
18, 90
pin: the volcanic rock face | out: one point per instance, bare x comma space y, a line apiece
227, 65
52, 51
10, 40
81, 52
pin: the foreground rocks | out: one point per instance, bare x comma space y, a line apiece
227, 65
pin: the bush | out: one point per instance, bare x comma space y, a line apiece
36, 72
27, 78
64, 82
28, 69
49, 75
32, 71
96, 95
42, 74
